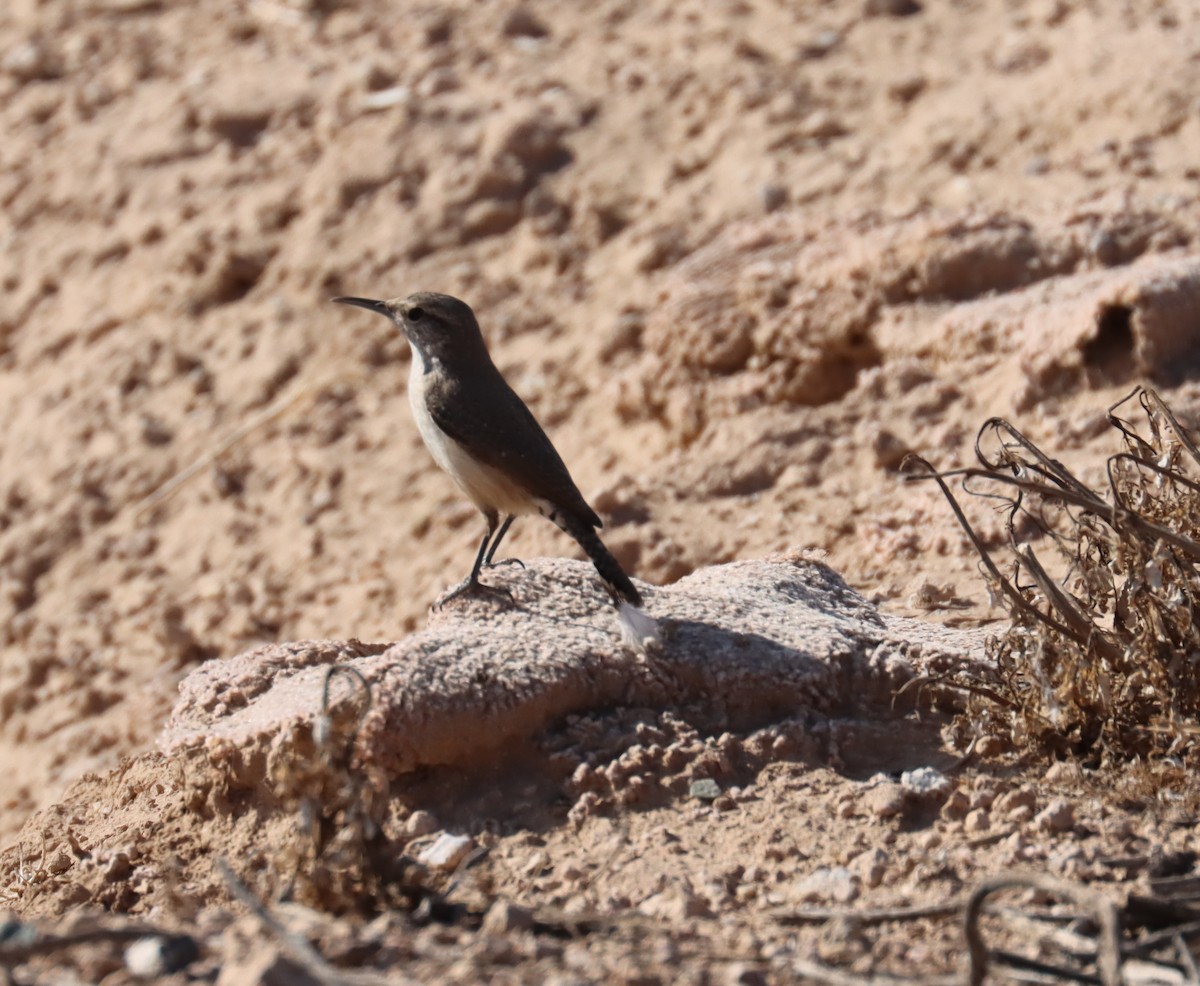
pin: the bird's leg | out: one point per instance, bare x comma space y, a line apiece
471, 584
487, 561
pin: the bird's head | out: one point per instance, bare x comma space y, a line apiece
437, 326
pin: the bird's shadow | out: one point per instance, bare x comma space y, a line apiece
818, 706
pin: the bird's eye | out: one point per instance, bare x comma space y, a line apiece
416, 314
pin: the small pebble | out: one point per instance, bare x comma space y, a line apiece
956, 806
523, 23
891, 8
675, 906
888, 451
149, 958
744, 974
773, 196
924, 780
1020, 798
835, 884
420, 823
821, 44
505, 917
385, 99
886, 800
821, 125
908, 88
977, 822
1058, 816
446, 852
705, 789
990, 746
1064, 772
31, 61
118, 868
15, 933
983, 797
870, 866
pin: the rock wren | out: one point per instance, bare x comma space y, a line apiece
480, 432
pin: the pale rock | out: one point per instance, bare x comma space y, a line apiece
988, 747
956, 806
922, 592
161, 955
977, 821
675, 906
984, 798
870, 866
504, 917
821, 125
420, 823
1058, 816
447, 695
828, 884
923, 781
886, 800
264, 966
446, 852
1021, 797
32, 61
118, 868
1019, 815
1136, 972
1064, 772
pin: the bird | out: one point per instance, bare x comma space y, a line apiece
480, 432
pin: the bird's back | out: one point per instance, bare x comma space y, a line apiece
485, 417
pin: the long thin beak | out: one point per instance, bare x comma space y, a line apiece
378, 307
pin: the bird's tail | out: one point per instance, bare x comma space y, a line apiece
637, 627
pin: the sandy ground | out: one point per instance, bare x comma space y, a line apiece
738, 257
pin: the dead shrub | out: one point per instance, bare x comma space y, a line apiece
1102, 658
339, 858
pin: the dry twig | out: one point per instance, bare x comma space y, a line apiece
878, 916
16, 954
1107, 915
296, 948
815, 972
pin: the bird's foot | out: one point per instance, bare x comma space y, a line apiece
505, 561
471, 587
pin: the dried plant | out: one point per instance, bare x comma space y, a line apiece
340, 859
1103, 658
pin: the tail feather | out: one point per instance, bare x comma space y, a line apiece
637, 628
609, 568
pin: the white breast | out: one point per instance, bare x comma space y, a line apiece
488, 488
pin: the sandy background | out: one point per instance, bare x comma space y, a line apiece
738, 258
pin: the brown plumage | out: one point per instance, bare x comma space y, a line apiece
483, 435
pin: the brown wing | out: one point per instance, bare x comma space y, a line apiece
492, 423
